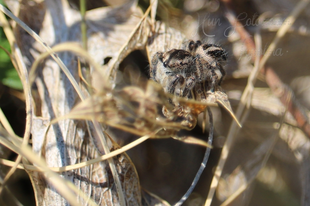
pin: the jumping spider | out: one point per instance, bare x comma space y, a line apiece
180, 70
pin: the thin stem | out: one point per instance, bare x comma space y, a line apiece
83, 23
203, 163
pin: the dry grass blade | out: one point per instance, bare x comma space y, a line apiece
193, 140
11, 196
80, 165
26, 152
5, 123
47, 48
63, 47
24, 77
11, 172
21, 69
11, 164
54, 178
153, 4
222, 99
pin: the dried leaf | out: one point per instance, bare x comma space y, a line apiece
193, 140
222, 98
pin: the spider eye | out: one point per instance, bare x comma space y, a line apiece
219, 54
191, 45
206, 46
224, 56
160, 55
198, 43
215, 51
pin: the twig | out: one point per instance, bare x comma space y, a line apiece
203, 163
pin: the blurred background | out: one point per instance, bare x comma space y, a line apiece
269, 154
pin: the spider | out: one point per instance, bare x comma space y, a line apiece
208, 60
174, 71
179, 71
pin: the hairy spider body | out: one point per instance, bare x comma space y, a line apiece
197, 65
173, 70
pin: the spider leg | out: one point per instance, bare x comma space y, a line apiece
156, 60
177, 79
214, 78
189, 85
199, 91
223, 74
199, 70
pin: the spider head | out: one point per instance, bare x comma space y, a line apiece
177, 59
